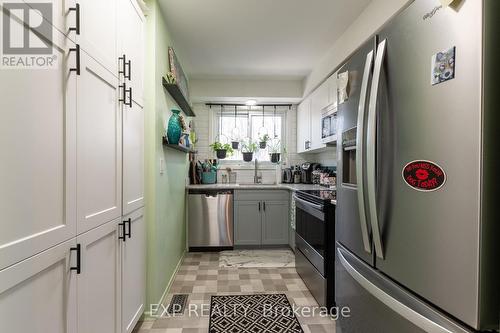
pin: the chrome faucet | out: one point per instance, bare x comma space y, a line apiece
257, 179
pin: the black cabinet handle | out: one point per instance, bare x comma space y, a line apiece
78, 259
124, 95
129, 222
125, 65
129, 66
259, 206
129, 97
77, 50
77, 10
264, 203
124, 231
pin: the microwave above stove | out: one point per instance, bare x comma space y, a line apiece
329, 124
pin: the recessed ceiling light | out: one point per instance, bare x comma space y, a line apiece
251, 102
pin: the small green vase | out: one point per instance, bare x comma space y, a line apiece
174, 129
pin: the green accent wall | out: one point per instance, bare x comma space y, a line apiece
164, 193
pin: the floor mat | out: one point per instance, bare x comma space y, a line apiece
257, 259
252, 313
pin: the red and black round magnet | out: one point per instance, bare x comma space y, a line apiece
423, 175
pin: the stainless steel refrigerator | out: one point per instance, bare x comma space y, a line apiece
418, 227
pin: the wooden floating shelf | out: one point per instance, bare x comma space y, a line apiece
177, 147
175, 92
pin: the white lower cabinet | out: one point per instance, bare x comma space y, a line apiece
133, 270
38, 295
99, 282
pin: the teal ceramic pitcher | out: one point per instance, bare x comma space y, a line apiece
174, 129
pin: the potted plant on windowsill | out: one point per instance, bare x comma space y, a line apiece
248, 149
221, 150
263, 141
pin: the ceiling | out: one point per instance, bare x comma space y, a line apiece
256, 38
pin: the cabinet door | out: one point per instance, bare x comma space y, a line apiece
98, 32
61, 17
133, 271
99, 286
133, 158
131, 41
98, 146
320, 97
332, 89
247, 223
37, 144
38, 295
319, 100
304, 126
275, 223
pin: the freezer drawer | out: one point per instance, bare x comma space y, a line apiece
210, 219
379, 305
313, 279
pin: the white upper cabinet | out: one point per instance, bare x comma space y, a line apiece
319, 101
39, 294
131, 47
99, 149
133, 158
332, 89
38, 145
98, 31
304, 126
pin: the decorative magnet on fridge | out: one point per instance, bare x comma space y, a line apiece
443, 66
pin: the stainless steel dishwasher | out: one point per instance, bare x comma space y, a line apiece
210, 219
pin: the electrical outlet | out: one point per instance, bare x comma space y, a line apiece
162, 166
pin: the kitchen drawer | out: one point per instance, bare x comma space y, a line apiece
261, 195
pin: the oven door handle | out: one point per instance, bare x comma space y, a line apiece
310, 204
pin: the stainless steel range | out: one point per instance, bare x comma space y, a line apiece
315, 242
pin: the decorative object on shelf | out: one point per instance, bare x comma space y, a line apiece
177, 73
263, 141
221, 149
174, 129
248, 149
170, 78
193, 138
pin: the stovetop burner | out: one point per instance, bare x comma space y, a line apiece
325, 195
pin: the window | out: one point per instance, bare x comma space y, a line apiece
250, 123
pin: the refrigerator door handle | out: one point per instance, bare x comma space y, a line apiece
371, 140
426, 319
360, 151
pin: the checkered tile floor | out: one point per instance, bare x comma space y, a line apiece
200, 277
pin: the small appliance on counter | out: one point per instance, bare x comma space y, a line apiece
287, 177
297, 175
307, 169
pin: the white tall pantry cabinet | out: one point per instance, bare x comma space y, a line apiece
72, 246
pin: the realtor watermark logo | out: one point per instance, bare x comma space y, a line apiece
27, 35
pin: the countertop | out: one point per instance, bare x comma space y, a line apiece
289, 187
